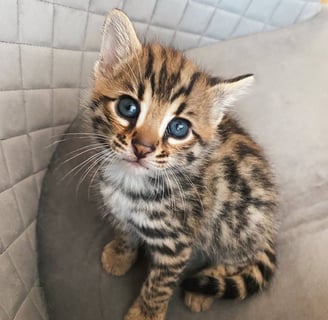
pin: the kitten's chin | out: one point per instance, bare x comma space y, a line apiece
135, 167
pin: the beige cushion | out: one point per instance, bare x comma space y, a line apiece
287, 112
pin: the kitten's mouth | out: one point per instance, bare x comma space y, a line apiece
136, 163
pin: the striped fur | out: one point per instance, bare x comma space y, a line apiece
210, 193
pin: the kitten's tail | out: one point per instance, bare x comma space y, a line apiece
223, 283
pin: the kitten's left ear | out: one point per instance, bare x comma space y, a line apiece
228, 91
119, 41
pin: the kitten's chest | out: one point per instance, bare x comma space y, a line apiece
129, 207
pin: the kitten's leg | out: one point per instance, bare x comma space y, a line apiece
198, 302
229, 282
157, 289
119, 255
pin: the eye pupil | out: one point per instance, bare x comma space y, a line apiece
128, 108
178, 128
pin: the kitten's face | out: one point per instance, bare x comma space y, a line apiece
154, 109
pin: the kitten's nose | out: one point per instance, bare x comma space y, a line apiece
141, 149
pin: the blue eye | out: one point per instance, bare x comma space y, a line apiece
178, 128
128, 108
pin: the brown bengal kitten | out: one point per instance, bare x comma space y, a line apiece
179, 175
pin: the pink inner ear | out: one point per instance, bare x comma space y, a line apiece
110, 48
119, 40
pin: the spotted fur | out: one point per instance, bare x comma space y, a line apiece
210, 193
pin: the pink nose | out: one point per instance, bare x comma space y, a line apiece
141, 149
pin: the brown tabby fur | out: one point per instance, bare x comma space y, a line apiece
210, 194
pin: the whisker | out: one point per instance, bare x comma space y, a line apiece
80, 166
72, 136
90, 168
84, 147
79, 154
109, 157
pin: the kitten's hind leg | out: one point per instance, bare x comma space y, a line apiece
119, 255
229, 282
198, 302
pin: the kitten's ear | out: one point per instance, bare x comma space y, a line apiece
119, 41
228, 91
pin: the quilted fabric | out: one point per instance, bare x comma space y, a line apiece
287, 114
47, 50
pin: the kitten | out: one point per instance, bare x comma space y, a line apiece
179, 175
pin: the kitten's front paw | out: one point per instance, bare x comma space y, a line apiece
198, 302
136, 313
117, 259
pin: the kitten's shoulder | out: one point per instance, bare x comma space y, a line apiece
237, 142
229, 127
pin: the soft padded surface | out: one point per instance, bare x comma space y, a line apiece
40, 40
287, 113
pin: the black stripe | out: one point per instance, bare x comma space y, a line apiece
107, 115
181, 108
231, 289
94, 104
160, 300
266, 271
251, 284
118, 145
212, 81
155, 293
165, 250
261, 177
162, 155
172, 81
272, 257
149, 66
169, 283
161, 79
178, 265
236, 79
199, 138
154, 215
191, 157
258, 203
148, 305
121, 138
98, 122
141, 91
201, 284
174, 78
157, 195
230, 171
167, 272
228, 127
152, 83
155, 233
180, 92
194, 78
243, 150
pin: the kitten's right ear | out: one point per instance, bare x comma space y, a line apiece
119, 41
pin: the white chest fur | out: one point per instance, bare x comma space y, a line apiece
121, 205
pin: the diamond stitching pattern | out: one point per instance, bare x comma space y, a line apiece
46, 68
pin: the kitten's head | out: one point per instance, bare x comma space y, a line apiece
153, 108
